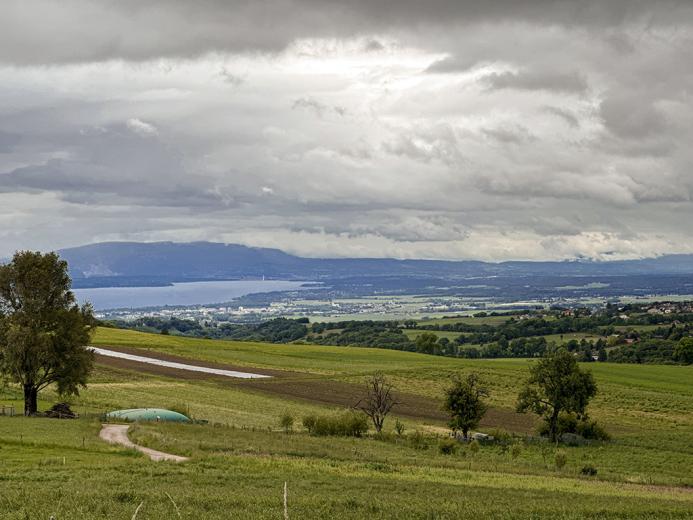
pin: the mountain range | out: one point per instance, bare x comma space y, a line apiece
157, 263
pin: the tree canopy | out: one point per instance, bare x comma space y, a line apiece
464, 402
43, 332
556, 384
683, 351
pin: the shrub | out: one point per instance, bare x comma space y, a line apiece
560, 459
591, 430
309, 422
501, 436
448, 447
286, 421
567, 423
418, 441
584, 427
348, 424
515, 451
589, 470
474, 446
399, 427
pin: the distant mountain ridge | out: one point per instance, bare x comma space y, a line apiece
155, 263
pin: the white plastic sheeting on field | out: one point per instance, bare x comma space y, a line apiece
173, 364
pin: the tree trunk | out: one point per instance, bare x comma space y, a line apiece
30, 400
553, 426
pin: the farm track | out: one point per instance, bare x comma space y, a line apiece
310, 388
163, 356
177, 365
118, 434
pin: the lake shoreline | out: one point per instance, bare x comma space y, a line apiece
181, 294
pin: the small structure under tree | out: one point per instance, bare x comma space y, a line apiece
464, 401
378, 401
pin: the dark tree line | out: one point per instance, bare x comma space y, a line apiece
513, 339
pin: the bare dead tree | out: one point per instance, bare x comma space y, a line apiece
378, 401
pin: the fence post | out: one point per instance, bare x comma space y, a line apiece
286, 505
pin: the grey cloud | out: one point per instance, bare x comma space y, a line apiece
43, 31
551, 163
316, 106
570, 82
621, 42
373, 45
615, 188
398, 226
230, 78
123, 164
452, 64
631, 116
8, 141
90, 184
436, 143
563, 114
509, 135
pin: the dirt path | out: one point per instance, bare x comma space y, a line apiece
118, 434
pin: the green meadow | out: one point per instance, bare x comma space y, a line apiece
240, 459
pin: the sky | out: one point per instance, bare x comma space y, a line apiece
454, 129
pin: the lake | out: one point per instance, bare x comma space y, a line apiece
188, 293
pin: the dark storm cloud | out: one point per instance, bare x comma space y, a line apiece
44, 31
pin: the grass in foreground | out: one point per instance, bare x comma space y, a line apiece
240, 474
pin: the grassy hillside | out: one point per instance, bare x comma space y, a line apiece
240, 474
240, 460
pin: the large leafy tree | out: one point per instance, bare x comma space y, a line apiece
683, 351
464, 401
427, 343
556, 384
43, 332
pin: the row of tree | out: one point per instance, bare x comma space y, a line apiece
556, 388
658, 345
